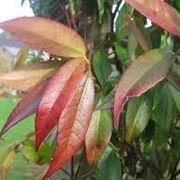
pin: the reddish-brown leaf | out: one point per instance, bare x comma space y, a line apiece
145, 72
160, 13
137, 33
59, 92
73, 124
48, 35
27, 106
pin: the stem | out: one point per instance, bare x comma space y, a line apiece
72, 168
73, 22
66, 172
66, 14
79, 165
91, 48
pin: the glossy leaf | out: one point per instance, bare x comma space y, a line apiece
160, 13
26, 106
163, 115
29, 151
25, 78
101, 9
137, 33
57, 95
98, 135
48, 35
174, 77
144, 73
42, 156
121, 26
176, 96
101, 67
137, 118
109, 166
73, 124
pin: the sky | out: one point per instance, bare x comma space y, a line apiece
10, 9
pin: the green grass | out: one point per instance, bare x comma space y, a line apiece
20, 168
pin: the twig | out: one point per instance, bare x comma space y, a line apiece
66, 14
79, 165
66, 172
72, 168
91, 48
73, 22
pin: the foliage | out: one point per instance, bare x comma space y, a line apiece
111, 82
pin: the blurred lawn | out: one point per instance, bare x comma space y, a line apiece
21, 168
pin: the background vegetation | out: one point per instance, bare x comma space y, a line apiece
147, 142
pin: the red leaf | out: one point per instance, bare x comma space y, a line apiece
58, 93
73, 124
27, 106
160, 13
144, 73
48, 35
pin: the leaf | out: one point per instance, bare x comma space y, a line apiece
101, 67
101, 9
174, 77
42, 156
160, 13
121, 26
57, 95
73, 124
137, 33
7, 164
176, 96
109, 166
74, 6
164, 115
25, 78
21, 56
137, 118
106, 102
27, 106
48, 35
98, 135
29, 151
45, 153
144, 73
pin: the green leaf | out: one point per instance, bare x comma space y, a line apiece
100, 9
176, 96
74, 5
121, 27
98, 135
137, 118
42, 156
164, 115
45, 153
121, 52
29, 151
101, 66
109, 166
174, 77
